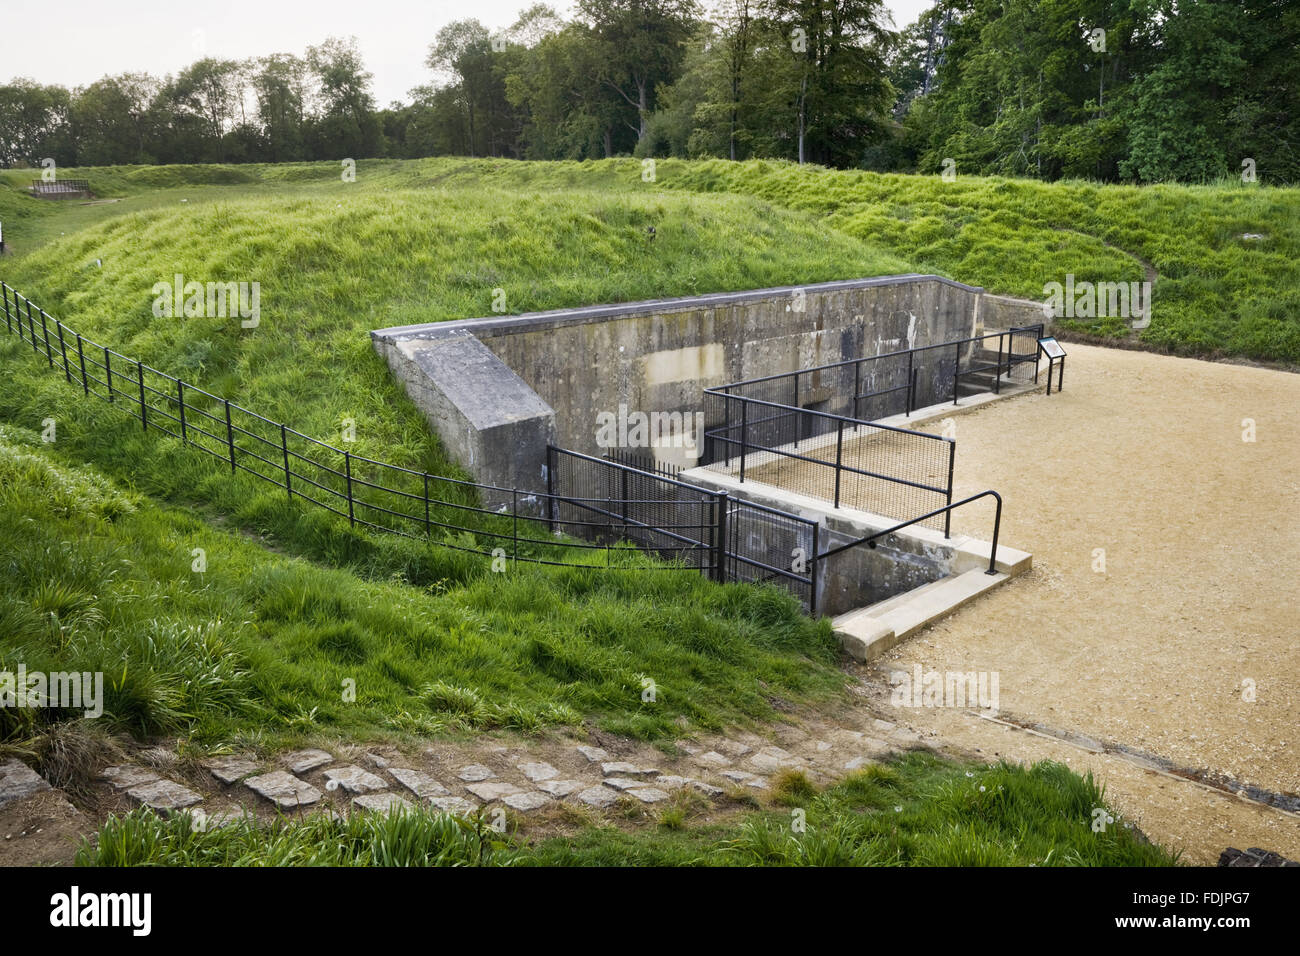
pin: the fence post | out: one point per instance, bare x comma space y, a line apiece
798, 419
720, 542
63, 350
744, 414
956, 370
812, 573
514, 522
180, 404
284, 447
997, 375
81, 359
857, 385
911, 381
839, 457
4, 290
347, 468
947, 515
144, 422
550, 488
45, 334
623, 493
426, 504
108, 373
31, 326
230, 437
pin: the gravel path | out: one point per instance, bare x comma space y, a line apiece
1142, 457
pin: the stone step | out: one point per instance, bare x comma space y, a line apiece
868, 632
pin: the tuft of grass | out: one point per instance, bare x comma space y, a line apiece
792, 788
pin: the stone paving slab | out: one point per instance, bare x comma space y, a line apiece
475, 772
712, 758
740, 776
597, 797
593, 754
165, 795
489, 790
216, 820
125, 777
537, 772
560, 788
231, 769
734, 748
457, 805
381, 802
649, 794
611, 768
623, 783
525, 802
672, 782
283, 789
305, 761
353, 779
418, 782
19, 781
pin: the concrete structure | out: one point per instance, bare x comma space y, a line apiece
498, 389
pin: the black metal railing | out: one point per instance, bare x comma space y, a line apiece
894, 472
871, 539
898, 383
60, 188
590, 505
368, 493
727, 538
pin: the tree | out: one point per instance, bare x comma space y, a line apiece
639, 44
280, 87
346, 123
34, 124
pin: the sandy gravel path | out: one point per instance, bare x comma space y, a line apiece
1141, 461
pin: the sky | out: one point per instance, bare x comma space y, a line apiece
83, 40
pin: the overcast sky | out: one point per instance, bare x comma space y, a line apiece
75, 42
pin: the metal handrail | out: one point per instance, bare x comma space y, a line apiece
869, 540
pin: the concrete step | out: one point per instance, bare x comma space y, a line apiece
868, 632
939, 600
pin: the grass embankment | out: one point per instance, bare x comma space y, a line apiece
336, 260
260, 649
915, 811
1218, 294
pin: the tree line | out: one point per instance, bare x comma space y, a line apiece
1116, 90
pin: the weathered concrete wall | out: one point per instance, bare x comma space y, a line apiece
861, 576
659, 356
488, 417
1003, 312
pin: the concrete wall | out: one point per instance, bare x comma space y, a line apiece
1003, 312
655, 357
